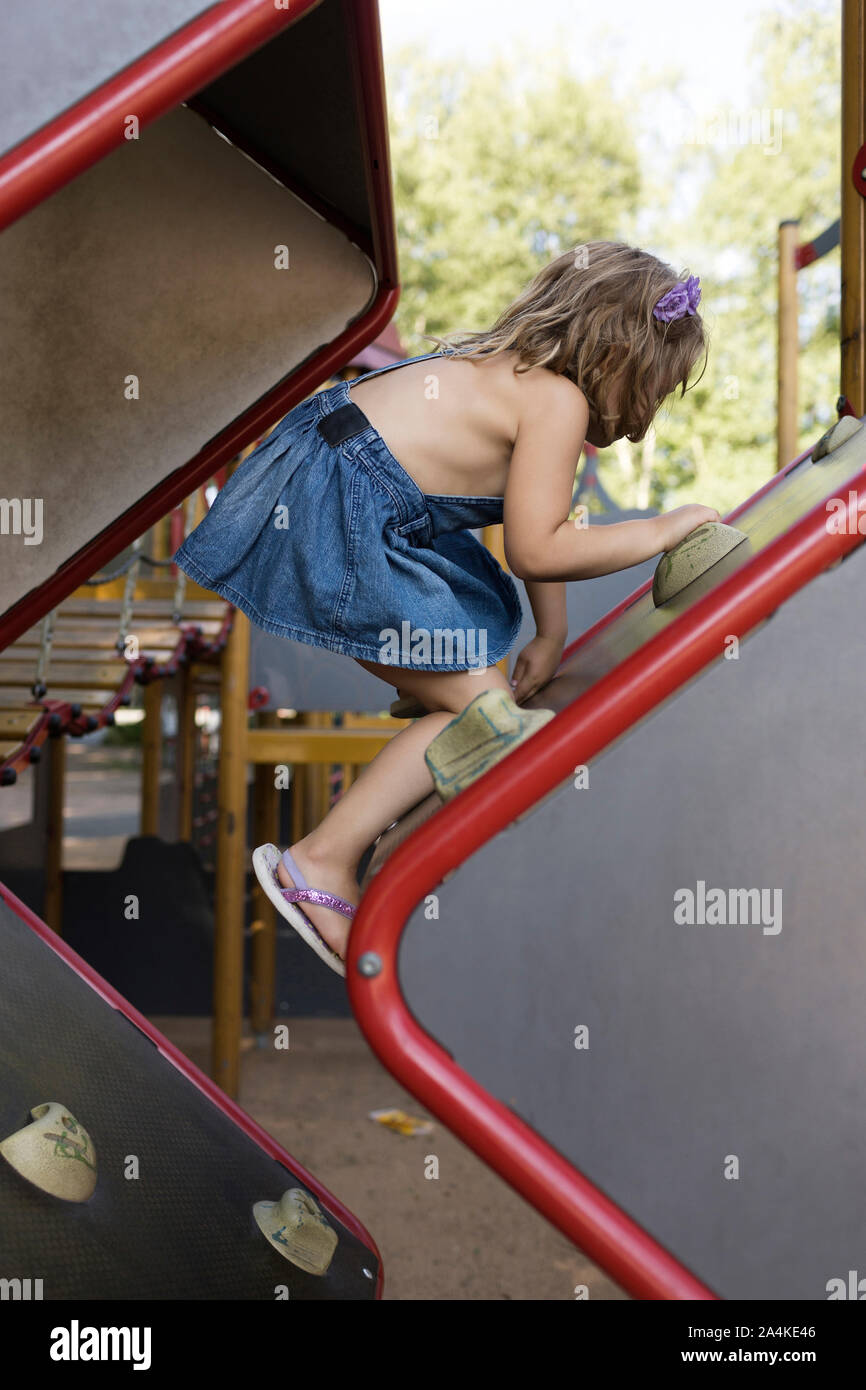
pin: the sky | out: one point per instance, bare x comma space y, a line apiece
709, 42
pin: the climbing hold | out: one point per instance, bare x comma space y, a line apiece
485, 732
695, 554
296, 1228
836, 436
54, 1153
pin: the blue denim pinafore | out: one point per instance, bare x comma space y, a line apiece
321, 536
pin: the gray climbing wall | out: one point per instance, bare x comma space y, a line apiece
56, 53
711, 1047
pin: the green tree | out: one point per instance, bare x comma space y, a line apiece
744, 171
496, 169
499, 167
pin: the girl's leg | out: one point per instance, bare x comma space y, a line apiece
395, 781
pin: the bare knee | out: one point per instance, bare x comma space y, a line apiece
452, 691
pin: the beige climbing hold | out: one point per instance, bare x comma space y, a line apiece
296, 1228
489, 728
836, 436
695, 554
54, 1152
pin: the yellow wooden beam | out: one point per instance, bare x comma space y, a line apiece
151, 757
52, 900
494, 538
231, 860
18, 723
304, 745
263, 955
186, 748
96, 675
788, 350
144, 589
853, 212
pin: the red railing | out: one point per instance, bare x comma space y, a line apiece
572, 738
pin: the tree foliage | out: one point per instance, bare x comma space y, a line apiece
500, 166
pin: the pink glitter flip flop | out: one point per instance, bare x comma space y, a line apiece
265, 862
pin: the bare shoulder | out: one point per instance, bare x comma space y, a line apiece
543, 394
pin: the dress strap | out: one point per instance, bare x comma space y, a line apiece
365, 376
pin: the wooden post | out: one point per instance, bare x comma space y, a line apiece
263, 965
494, 539
186, 747
299, 802
52, 904
151, 757
853, 218
314, 779
160, 539
322, 719
787, 430
231, 862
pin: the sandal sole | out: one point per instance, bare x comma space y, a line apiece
265, 861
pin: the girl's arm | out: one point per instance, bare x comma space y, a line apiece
540, 543
547, 600
537, 663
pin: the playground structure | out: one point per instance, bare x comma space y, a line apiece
266, 122
702, 1041
193, 1236
145, 629
610, 1062
794, 257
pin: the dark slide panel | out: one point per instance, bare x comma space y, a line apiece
292, 103
185, 1228
718, 1094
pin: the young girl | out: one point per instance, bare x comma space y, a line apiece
349, 527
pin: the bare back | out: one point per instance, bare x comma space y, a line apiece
450, 422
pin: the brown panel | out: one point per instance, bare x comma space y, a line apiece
157, 262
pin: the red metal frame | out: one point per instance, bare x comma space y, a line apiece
158, 81
510, 788
192, 1073
364, 44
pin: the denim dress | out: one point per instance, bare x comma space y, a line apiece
321, 536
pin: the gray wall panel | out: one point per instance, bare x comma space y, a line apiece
704, 1041
56, 52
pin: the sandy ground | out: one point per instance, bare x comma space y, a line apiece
464, 1236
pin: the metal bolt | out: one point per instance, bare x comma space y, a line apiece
370, 964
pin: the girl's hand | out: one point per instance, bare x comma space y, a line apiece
679, 523
535, 666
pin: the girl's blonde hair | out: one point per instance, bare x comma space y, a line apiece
588, 315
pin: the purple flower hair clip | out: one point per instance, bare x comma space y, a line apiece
683, 299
